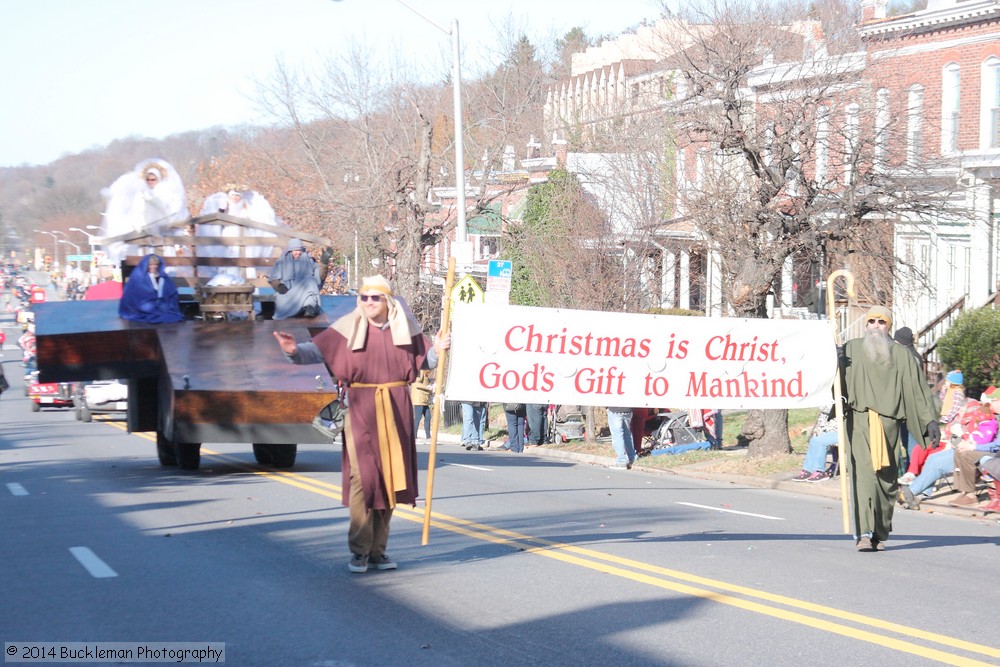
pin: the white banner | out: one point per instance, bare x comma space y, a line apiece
579, 357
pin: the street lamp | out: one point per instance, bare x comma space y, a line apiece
87, 234
55, 245
90, 237
75, 246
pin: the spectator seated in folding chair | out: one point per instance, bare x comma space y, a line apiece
823, 437
953, 403
969, 440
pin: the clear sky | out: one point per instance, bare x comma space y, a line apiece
78, 74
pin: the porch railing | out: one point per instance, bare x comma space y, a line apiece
927, 338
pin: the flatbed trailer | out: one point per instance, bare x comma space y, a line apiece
199, 380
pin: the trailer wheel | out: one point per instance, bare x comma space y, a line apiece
165, 451
278, 456
188, 455
262, 453
283, 456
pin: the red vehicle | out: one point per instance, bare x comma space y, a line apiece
50, 394
37, 294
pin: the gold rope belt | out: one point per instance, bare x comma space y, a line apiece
389, 446
877, 444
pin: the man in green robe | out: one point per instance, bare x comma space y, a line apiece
883, 389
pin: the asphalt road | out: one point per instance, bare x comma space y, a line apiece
531, 561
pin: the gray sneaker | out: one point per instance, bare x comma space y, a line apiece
382, 562
358, 564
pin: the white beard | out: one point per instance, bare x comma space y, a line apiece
876, 345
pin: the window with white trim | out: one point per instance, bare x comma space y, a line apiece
701, 169
881, 128
989, 113
681, 183
852, 121
822, 143
951, 81
914, 123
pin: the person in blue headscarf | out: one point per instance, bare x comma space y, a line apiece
149, 295
297, 278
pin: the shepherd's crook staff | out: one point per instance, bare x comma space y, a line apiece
844, 464
439, 393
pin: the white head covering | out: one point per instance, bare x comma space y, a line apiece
354, 325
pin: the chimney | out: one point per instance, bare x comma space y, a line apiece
873, 10
534, 148
559, 149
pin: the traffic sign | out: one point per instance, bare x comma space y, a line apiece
498, 276
500, 268
466, 290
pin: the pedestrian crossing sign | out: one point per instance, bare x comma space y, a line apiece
466, 290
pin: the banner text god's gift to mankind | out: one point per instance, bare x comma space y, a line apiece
578, 357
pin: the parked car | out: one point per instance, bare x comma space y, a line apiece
101, 397
49, 394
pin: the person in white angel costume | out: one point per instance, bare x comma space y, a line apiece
144, 199
241, 202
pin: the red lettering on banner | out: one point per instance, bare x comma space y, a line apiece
724, 348
744, 386
521, 338
491, 376
599, 381
507, 338
656, 385
676, 349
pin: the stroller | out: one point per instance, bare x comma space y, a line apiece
673, 434
566, 422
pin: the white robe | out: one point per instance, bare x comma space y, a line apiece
133, 206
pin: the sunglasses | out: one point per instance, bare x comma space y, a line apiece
874, 321
374, 298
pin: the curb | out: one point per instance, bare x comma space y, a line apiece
828, 489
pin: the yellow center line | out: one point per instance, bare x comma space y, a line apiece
586, 558
649, 574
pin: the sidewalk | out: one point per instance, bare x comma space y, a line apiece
937, 504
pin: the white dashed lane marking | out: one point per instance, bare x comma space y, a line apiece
94, 565
16, 489
722, 509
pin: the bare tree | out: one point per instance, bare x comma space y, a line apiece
363, 143
791, 156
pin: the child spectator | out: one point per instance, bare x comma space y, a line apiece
953, 400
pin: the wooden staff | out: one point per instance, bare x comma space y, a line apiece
439, 392
838, 402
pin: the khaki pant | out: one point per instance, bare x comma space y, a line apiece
967, 460
368, 533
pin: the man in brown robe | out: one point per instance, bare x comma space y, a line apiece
883, 389
377, 351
